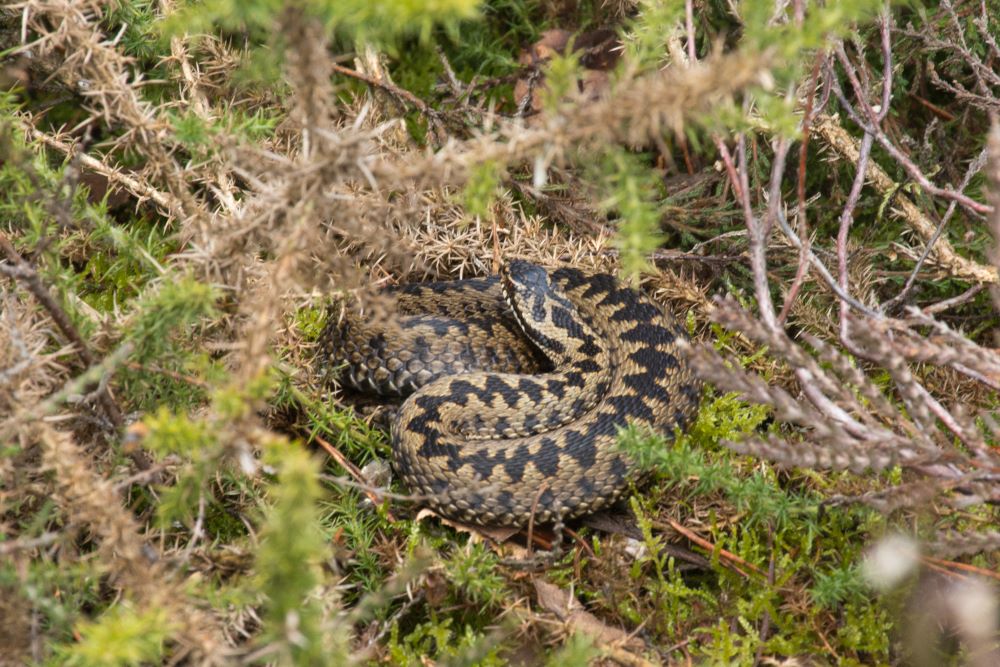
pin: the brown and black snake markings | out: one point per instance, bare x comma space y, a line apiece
518, 386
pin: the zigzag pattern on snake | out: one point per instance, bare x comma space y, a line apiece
518, 386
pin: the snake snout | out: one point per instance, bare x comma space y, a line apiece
521, 274
524, 287
523, 281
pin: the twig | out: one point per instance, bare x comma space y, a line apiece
755, 230
400, 94
174, 375
911, 169
89, 377
954, 301
21, 271
846, 217
353, 471
965, 567
800, 192
712, 548
974, 168
942, 113
872, 127
456, 86
170, 204
843, 143
824, 272
864, 153
24, 544
757, 235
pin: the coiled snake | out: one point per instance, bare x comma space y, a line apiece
518, 386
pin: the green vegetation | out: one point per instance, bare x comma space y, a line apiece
177, 484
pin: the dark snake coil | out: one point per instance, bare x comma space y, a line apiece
518, 386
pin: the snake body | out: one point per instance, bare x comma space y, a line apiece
522, 385
446, 328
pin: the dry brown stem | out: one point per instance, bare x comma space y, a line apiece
135, 566
849, 150
22, 271
139, 187
101, 74
631, 114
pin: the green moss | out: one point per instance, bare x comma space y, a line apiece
292, 549
439, 638
121, 636
473, 570
311, 555
310, 322
359, 529
343, 428
781, 521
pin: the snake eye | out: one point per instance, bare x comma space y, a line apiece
520, 277
522, 283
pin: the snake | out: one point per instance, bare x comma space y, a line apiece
516, 388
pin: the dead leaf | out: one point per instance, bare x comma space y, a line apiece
496, 534
599, 51
552, 42
435, 588
569, 610
98, 186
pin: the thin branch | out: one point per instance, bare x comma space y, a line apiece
823, 271
21, 271
864, 154
953, 302
872, 128
27, 544
400, 94
974, 168
141, 189
846, 217
848, 147
800, 192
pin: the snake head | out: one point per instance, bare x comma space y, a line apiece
525, 286
540, 307
519, 275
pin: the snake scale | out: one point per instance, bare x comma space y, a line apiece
517, 387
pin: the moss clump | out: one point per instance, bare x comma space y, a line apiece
181, 195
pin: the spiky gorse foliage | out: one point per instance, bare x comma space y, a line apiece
184, 184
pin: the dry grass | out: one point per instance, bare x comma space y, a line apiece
156, 371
